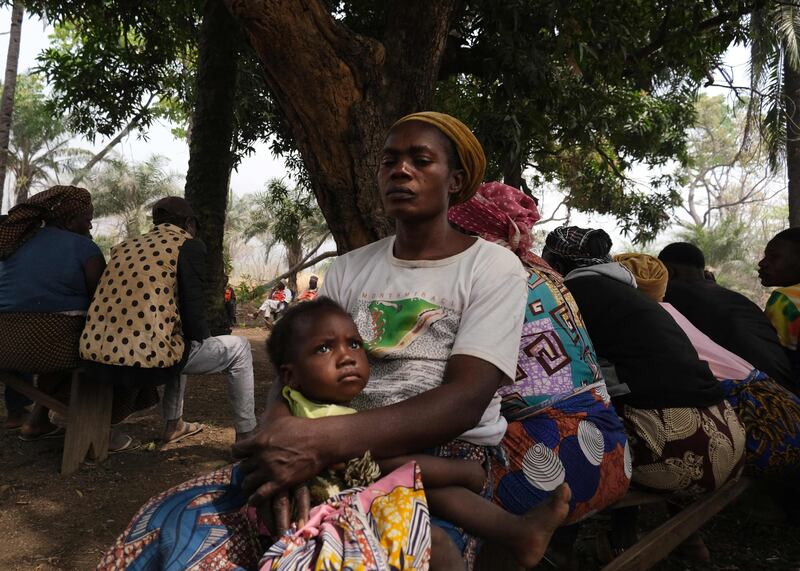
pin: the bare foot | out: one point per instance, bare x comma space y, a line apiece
529, 540
15, 419
37, 423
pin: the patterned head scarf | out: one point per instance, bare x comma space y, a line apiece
470, 151
53, 205
650, 273
501, 214
581, 246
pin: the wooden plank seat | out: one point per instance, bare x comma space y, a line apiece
653, 546
88, 416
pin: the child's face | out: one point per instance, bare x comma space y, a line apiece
329, 364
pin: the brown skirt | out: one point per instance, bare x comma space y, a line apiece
47, 344
692, 450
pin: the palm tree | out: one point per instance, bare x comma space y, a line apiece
775, 79
9, 86
39, 149
126, 190
290, 217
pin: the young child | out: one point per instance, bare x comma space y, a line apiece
319, 356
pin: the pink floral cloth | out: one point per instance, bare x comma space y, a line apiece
501, 214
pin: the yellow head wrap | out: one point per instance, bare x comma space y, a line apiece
650, 273
470, 151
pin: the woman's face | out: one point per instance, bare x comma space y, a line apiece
81, 223
415, 177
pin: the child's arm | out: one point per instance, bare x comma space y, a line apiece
441, 472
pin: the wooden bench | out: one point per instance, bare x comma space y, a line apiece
659, 542
88, 416
653, 546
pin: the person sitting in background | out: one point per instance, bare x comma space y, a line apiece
49, 269
684, 436
146, 324
769, 412
780, 267
276, 303
727, 317
230, 304
311, 293
558, 400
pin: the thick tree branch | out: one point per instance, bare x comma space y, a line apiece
302, 266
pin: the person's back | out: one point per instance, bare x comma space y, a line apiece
46, 275
728, 318
732, 321
649, 351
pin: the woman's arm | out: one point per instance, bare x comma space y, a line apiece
290, 450
93, 269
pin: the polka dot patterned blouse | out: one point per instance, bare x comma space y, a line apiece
133, 319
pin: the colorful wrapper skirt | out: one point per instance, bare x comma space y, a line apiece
383, 527
771, 418
580, 441
687, 450
202, 524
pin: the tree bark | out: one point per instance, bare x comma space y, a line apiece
9, 88
792, 94
210, 155
294, 255
360, 87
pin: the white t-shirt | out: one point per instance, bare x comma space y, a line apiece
414, 314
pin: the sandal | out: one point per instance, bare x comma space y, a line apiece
129, 445
57, 432
189, 429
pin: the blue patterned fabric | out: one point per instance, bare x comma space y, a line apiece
200, 524
771, 418
579, 441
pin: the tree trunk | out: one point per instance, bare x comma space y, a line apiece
210, 156
792, 94
360, 87
9, 88
294, 255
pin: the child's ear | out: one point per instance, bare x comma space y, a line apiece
287, 377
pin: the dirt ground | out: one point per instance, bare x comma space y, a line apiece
50, 522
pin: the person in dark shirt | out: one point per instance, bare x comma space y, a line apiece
683, 434
727, 317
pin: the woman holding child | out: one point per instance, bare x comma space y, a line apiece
440, 314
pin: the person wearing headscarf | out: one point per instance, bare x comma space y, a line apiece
770, 413
685, 437
558, 407
49, 267
440, 315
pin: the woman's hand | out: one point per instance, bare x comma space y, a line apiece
280, 455
285, 511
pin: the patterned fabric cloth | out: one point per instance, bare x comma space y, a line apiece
556, 356
202, 524
133, 319
469, 149
39, 342
688, 450
783, 310
501, 214
384, 527
579, 441
57, 202
48, 344
582, 246
771, 418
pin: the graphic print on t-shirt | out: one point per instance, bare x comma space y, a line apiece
395, 324
408, 342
